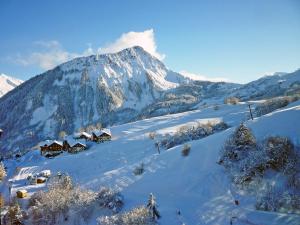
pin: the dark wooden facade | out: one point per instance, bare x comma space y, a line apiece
102, 137
78, 147
55, 148
52, 149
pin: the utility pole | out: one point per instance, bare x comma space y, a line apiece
250, 111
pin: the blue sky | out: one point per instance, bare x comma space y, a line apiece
233, 39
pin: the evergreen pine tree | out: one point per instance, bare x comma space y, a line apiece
152, 207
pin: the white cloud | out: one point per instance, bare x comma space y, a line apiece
49, 54
144, 39
194, 76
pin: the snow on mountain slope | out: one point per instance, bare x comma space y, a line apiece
109, 89
270, 86
113, 89
196, 185
8, 83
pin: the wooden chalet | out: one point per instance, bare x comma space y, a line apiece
51, 148
73, 146
54, 148
83, 135
1, 132
101, 135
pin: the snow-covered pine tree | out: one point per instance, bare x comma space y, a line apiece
243, 136
152, 207
238, 144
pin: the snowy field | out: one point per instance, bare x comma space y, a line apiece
196, 185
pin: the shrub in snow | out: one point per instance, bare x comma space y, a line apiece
139, 170
186, 134
152, 135
110, 199
247, 163
186, 150
14, 214
59, 202
152, 207
216, 107
278, 150
275, 199
2, 171
274, 103
239, 143
137, 216
231, 100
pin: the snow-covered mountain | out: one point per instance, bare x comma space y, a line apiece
270, 86
112, 89
107, 89
7, 83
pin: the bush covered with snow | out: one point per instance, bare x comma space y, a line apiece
185, 134
274, 103
139, 170
63, 201
231, 100
137, 216
108, 198
14, 214
186, 150
272, 167
277, 199
152, 135
239, 144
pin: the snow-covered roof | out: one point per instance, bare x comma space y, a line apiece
1, 130
77, 135
73, 142
50, 142
79, 142
102, 131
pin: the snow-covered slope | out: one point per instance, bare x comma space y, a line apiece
7, 83
196, 185
113, 89
270, 86
109, 89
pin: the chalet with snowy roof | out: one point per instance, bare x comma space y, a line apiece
83, 135
73, 146
101, 135
51, 148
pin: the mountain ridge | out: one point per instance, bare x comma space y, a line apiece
110, 89
7, 83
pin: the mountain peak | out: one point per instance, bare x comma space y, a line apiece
7, 83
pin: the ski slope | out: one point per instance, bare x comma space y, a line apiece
194, 185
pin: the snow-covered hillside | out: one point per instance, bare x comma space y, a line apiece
7, 83
108, 89
196, 185
270, 86
113, 89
